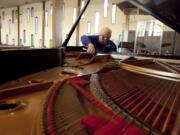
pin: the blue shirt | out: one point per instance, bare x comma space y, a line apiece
94, 39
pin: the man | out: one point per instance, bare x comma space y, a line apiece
99, 43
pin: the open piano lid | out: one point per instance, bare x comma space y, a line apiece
167, 11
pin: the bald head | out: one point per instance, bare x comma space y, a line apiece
104, 35
105, 31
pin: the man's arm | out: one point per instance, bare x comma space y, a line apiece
86, 41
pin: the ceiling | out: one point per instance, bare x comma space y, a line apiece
12, 3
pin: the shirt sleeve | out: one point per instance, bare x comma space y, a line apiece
85, 40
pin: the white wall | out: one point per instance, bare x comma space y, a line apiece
28, 26
68, 20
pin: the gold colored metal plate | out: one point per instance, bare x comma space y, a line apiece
11, 105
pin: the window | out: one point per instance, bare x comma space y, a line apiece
9, 26
20, 18
88, 27
28, 15
46, 18
40, 43
105, 8
20, 40
24, 36
13, 41
0, 22
36, 25
32, 11
113, 13
63, 9
141, 27
51, 9
3, 15
13, 13
74, 15
16, 14
32, 40
97, 19
150, 28
158, 28
82, 6
7, 39
51, 43
154, 28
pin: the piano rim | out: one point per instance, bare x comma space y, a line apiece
151, 72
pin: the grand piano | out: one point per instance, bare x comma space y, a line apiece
70, 92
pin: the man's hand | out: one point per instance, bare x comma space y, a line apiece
91, 49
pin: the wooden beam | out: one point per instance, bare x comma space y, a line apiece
43, 24
18, 25
57, 23
78, 26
